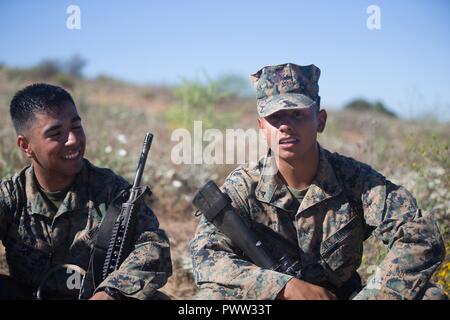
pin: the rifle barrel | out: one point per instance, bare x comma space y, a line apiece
143, 158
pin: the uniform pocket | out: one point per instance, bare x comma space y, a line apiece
342, 251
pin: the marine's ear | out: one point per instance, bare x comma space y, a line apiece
24, 145
321, 120
260, 123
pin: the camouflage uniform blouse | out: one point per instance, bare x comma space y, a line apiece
346, 202
37, 238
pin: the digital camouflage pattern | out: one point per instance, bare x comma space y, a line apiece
37, 238
286, 86
346, 202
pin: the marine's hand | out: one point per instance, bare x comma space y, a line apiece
101, 295
297, 289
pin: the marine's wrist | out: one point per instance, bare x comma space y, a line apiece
285, 292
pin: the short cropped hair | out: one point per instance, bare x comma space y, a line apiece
36, 98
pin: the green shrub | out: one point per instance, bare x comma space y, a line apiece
363, 105
198, 101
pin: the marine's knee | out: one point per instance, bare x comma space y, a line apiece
433, 292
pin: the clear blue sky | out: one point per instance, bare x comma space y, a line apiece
406, 64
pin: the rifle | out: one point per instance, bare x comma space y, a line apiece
217, 209
122, 236
113, 246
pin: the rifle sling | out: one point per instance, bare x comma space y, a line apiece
100, 248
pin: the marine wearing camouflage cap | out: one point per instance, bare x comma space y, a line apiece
324, 205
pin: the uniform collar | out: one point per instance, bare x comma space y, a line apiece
271, 188
76, 198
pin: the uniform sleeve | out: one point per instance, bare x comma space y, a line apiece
415, 246
6, 210
148, 267
220, 271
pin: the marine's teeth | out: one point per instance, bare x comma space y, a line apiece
71, 156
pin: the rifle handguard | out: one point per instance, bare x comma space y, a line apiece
217, 209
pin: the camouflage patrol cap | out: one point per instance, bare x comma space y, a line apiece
286, 86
